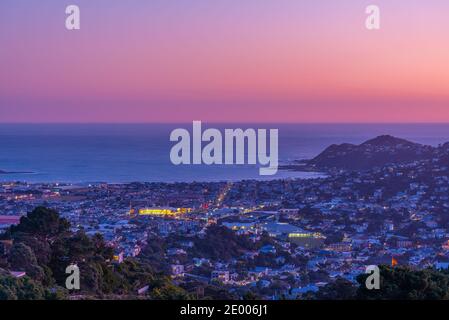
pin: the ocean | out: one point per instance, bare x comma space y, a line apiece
119, 153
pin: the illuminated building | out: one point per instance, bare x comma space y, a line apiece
119, 257
239, 225
177, 270
294, 234
157, 211
340, 247
307, 239
221, 276
160, 211
289, 211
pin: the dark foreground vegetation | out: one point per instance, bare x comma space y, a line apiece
43, 246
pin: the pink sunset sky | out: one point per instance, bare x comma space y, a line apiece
224, 61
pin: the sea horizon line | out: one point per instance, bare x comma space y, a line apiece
226, 122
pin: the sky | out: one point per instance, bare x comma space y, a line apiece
224, 61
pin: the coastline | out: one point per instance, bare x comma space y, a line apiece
302, 175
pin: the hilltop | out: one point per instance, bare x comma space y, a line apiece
376, 152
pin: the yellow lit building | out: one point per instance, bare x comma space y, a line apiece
163, 211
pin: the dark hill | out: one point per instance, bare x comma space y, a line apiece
387, 140
376, 152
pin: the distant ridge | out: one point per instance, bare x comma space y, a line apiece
376, 152
15, 172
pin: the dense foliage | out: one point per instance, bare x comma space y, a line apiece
220, 243
396, 283
43, 247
